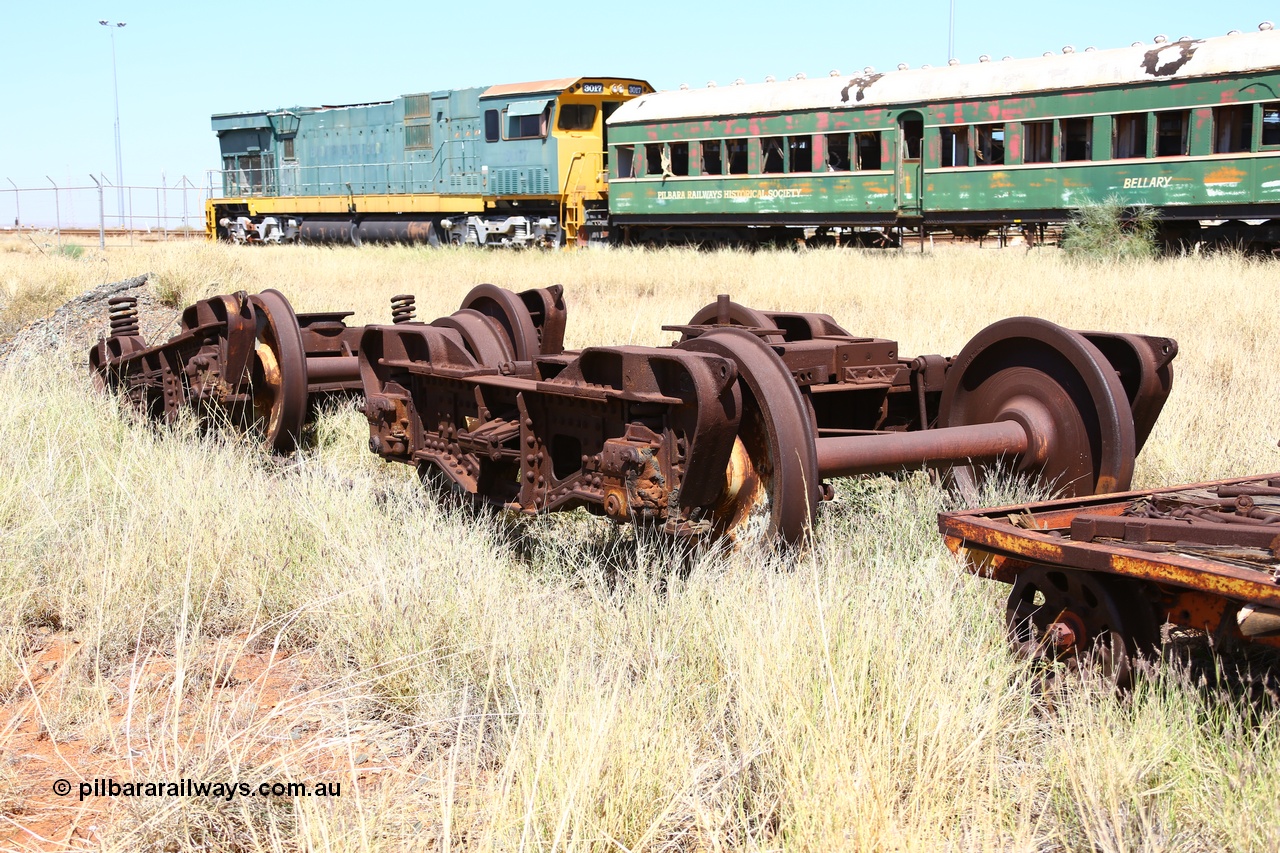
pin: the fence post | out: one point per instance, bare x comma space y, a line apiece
57, 213
17, 216
186, 223
102, 224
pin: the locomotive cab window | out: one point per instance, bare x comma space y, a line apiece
837, 147
679, 158
711, 164
1271, 124
988, 147
955, 146
491, 125
576, 117
737, 152
771, 160
1038, 143
1171, 133
626, 161
528, 120
1129, 136
1232, 128
868, 150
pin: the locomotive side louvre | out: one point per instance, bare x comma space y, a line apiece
1191, 128
517, 164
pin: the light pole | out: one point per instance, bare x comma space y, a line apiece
112, 26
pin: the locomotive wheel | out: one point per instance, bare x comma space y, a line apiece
771, 483
739, 315
1077, 619
1061, 389
278, 378
511, 314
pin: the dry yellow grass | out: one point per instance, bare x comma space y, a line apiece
556, 684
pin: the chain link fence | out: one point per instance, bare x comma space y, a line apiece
167, 210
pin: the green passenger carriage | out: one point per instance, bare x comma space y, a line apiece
1190, 127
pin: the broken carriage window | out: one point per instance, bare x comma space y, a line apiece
1271, 124
771, 155
801, 153
1077, 139
653, 158
626, 161
711, 164
989, 144
1232, 128
955, 146
868, 151
1039, 142
1129, 137
1171, 132
737, 151
837, 146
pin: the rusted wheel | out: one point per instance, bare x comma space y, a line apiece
1061, 389
278, 377
100, 357
1076, 618
734, 315
511, 314
485, 341
771, 484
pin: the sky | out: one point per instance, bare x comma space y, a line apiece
178, 63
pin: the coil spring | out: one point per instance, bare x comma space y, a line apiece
123, 312
402, 308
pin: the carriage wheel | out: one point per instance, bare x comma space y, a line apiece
1076, 618
1061, 389
771, 483
735, 315
278, 378
511, 314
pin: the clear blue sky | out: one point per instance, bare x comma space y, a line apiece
180, 62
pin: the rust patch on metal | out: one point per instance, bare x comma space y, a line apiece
1167, 60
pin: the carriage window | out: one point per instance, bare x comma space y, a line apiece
868, 151
680, 158
1039, 142
955, 146
837, 145
490, 125
801, 153
771, 155
626, 161
653, 158
1129, 138
989, 144
1232, 129
576, 117
737, 149
1077, 139
1271, 124
711, 164
1171, 133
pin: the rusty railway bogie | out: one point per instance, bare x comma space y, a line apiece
746, 414
239, 359
1113, 569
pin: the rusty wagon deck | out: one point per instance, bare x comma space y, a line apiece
1201, 556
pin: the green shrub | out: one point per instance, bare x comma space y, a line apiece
70, 251
1110, 231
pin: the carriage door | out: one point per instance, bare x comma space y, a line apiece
910, 165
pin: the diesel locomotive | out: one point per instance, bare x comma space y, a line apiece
1189, 127
512, 165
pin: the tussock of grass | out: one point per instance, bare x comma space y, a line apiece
561, 683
